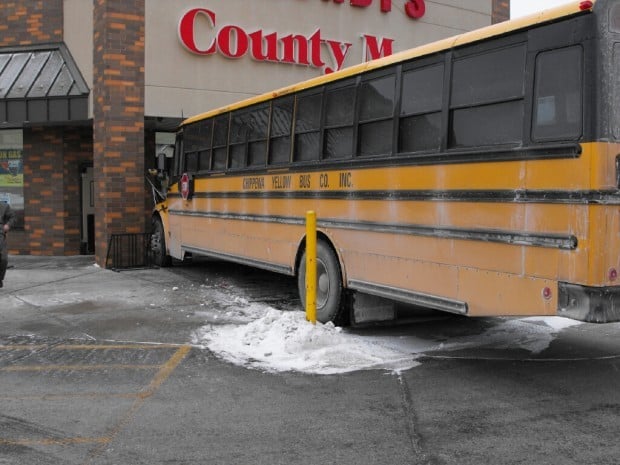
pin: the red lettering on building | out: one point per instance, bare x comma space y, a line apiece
234, 42
415, 9
374, 50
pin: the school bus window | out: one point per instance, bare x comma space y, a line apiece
307, 127
487, 125
238, 139
558, 94
220, 142
487, 98
281, 125
420, 127
193, 137
191, 162
339, 113
258, 125
204, 148
376, 125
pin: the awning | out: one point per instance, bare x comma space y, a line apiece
40, 84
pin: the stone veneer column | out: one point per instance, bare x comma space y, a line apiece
118, 125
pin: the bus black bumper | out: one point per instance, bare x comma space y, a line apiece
590, 304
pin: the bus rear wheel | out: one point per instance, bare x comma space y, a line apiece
158, 245
329, 291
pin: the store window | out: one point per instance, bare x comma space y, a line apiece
12, 172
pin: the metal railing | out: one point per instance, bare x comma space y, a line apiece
127, 251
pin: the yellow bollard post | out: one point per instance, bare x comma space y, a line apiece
311, 267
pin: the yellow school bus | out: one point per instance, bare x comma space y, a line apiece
477, 175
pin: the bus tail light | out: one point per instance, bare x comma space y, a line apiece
546, 293
586, 5
613, 274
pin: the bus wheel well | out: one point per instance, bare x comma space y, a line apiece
331, 296
159, 251
302, 247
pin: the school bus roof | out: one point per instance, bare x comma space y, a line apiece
422, 50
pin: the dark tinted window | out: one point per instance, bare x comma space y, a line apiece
220, 142
198, 136
281, 124
558, 95
422, 90
248, 135
420, 125
191, 162
376, 138
376, 126
307, 127
307, 146
204, 162
340, 106
308, 116
377, 98
487, 77
420, 133
487, 125
339, 115
338, 142
487, 99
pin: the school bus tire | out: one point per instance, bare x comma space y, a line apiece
158, 244
329, 291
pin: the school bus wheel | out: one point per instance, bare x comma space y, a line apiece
158, 244
329, 292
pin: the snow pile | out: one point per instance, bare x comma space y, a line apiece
285, 341
277, 341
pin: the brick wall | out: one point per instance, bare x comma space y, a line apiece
53, 158
118, 96
25, 22
501, 11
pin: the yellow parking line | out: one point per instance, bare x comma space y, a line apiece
165, 370
156, 382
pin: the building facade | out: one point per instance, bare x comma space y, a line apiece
90, 88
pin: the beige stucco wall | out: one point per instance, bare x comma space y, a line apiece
78, 35
179, 83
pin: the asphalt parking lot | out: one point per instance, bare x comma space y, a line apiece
98, 367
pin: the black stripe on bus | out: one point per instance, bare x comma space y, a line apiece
496, 196
555, 241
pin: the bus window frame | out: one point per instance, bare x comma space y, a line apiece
486, 102
318, 91
334, 87
443, 60
290, 135
552, 138
393, 71
221, 116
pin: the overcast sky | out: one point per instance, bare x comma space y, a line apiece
525, 7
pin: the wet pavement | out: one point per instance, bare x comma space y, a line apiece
98, 367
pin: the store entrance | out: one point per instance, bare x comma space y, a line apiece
87, 246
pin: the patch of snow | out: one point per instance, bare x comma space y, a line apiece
257, 336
